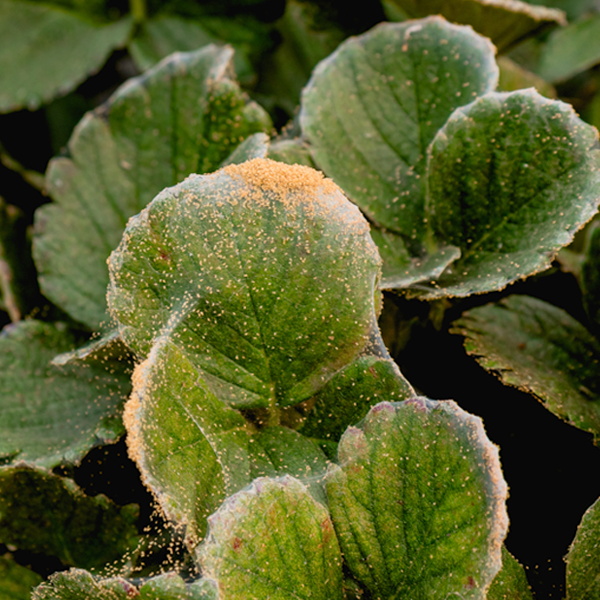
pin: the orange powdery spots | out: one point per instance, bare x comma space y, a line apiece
131, 415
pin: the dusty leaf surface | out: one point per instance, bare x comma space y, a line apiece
275, 541
418, 501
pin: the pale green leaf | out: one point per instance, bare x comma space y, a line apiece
47, 52
418, 502
262, 273
273, 541
571, 50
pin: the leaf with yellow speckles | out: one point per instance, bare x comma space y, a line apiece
371, 110
184, 116
418, 502
511, 581
539, 349
511, 178
273, 540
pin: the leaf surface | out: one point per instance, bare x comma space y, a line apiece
184, 116
263, 274
53, 516
505, 22
540, 349
571, 50
52, 414
583, 559
17, 581
418, 502
511, 582
372, 108
48, 52
348, 397
590, 278
273, 541
511, 178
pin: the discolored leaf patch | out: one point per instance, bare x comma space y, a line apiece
273, 541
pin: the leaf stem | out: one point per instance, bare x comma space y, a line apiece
138, 10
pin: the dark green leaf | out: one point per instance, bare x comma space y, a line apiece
285, 72
511, 581
55, 414
47, 514
583, 559
349, 396
47, 52
540, 349
418, 502
590, 278
273, 541
511, 178
571, 50
161, 36
372, 108
17, 581
505, 22
184, 116
268, 297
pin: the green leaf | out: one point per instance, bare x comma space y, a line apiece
351, 393
571, 50
590, 278
184, 116
371, 109
511, 178
285, 72
254, 146
17, 581
514, 77
48, 52
159, 37
54, 414
291, 152
47, 514
263, 274
273, 541
583, 559
77, 584
418, 502
192, 450
401, 270
540, 349
511, 581
505, 22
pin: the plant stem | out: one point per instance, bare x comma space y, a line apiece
138, 10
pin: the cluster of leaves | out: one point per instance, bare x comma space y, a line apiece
238, 346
